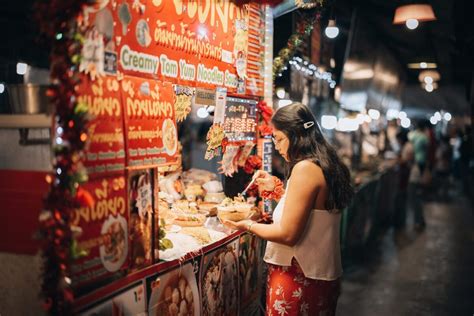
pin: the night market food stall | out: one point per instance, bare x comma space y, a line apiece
125, 229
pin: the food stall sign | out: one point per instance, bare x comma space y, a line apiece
205, 97
105, 151
240, 119
102, 240
150, 126
194, 43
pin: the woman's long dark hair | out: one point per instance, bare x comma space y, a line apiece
310, 144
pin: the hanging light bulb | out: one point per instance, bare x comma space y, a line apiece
412, 24
331, 31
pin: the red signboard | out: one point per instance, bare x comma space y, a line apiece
102, 241
207, 43
105, 151
150, 126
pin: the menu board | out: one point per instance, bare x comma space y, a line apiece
175, 292
104, 151
240, 119
150, 125
219, 281
103, 235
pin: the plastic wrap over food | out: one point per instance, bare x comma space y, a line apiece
213, 186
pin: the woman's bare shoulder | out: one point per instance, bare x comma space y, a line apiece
308, 170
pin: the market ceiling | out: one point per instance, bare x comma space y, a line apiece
448, 42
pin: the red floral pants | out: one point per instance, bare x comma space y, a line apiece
289, 292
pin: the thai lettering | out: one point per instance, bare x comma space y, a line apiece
103, 207
100, 106
149, 108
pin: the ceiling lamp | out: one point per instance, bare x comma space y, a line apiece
422, 65
429, 76
412, 14
331, 31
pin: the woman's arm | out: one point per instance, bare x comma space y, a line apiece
306, 180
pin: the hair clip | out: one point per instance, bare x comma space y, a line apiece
308, 124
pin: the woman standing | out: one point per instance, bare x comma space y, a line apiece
303, 251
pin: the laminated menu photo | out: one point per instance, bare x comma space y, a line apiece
140, 204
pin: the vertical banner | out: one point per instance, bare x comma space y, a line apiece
265, 149
150, 125
129, 302
102, 241
105, 152
219, 281
175, 292
256, 49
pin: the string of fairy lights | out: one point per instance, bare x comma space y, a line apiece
310, 70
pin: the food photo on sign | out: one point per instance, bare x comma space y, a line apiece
219, 281
175, 292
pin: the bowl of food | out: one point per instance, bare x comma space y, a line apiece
208, 208
233, 210
189, 220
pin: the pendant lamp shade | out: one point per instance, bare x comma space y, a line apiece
420, 12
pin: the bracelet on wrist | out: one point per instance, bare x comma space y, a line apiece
249, 226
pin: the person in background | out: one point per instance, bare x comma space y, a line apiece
420, 142
465, 151
303, 249
405, 163
442, 168
456, 142
430, 162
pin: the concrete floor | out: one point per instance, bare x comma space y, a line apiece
417, 273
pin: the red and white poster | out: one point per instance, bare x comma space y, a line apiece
105, 151
150, 125
102, 234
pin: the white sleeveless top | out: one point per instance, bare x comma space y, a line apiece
317, 252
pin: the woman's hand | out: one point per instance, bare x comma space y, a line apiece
264, 181
240, 225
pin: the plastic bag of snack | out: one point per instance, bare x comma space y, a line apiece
245, 153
